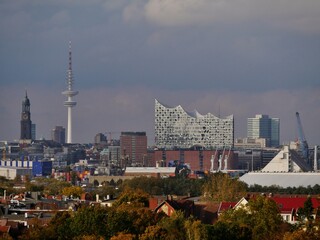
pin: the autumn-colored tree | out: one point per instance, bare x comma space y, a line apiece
72, 191
126, 218
221, 187
136, 197
154, 232
195, 230
174, 226
104, 191
37, 231
17, 179
301, 234
166, 186
88, 237
51, 186
60, 225
260, 216
6, 236
31, 187
123, 236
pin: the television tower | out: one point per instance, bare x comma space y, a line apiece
70, 93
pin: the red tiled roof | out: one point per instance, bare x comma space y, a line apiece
286, 204
226, 206
4, 229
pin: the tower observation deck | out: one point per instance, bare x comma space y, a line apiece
69, 103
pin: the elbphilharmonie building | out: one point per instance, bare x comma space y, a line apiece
176, 128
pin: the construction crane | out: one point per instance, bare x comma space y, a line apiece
302, 142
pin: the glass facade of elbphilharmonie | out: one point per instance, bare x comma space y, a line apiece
176, 128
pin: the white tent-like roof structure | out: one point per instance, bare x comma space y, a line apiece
282, 179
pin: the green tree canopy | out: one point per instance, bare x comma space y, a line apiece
305, 213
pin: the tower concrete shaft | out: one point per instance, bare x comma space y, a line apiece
70, 93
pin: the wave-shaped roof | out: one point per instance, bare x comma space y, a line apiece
194, 113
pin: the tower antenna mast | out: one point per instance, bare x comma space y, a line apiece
69, 103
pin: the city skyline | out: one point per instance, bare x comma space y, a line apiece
234, 58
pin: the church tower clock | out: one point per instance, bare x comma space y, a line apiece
25, 119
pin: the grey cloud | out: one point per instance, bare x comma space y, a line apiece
295, 14
244, 57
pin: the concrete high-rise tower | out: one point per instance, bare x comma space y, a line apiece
70, 93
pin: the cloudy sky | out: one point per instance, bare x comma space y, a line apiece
240, 57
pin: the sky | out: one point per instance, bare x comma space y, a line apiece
240, 57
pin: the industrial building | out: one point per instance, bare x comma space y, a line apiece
282, 179
287, 169
42, 168
176, 128
198, 160
13, 168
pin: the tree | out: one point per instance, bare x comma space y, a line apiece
104, 191
89, 220
133, 197
260, 218
51, 186
123, 236
60, 225
221, 187
194, 230
17, 179
96, 183
305, 213
174, 226
74, 178
154, 232
72, 191
228, 231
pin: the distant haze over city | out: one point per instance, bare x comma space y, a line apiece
225, 57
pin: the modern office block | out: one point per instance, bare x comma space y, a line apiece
261, 126
133, 147
58, 134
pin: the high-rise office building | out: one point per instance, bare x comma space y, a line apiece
58, 134
25, 123
100, 138
174, 127
262, 126
133, 147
